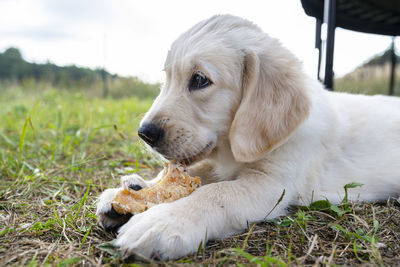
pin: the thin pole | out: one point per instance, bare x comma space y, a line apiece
393, 67
331, 20
318, 45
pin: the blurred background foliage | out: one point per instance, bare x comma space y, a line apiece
372, 77
15, 72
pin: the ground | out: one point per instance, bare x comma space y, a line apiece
60, 150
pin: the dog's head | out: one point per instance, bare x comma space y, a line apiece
226, 79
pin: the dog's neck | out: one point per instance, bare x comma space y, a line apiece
225, 166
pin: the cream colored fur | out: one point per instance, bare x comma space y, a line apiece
262, 127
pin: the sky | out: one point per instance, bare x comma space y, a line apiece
132, 37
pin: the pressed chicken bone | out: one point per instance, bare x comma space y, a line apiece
175, 184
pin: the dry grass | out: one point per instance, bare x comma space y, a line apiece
318, 240
35, 233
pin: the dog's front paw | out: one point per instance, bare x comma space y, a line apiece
164, 231
106, 214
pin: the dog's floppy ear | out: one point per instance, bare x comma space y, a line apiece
274, 103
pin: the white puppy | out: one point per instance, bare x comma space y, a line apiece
238, 109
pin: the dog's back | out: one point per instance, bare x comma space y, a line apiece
365, 147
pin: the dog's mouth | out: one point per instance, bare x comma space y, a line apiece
204, 152
188, 160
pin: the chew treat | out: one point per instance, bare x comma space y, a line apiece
175, 184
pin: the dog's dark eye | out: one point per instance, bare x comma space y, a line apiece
199, 81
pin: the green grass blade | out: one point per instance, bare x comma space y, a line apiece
82, 202
70, 262
33, 262
7, 140
22, 139
86, 235
247, 236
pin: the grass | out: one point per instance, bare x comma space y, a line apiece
368, 86
60, 150
369, 80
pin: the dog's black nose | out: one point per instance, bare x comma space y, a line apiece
151, 134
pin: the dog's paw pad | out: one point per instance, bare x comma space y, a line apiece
111, 220
108, 217
135, 187
134, 182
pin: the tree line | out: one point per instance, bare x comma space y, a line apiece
15, 69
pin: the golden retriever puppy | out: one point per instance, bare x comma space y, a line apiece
238, 109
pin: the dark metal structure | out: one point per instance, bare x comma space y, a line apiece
369, 16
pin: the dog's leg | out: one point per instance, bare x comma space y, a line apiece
175, 229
